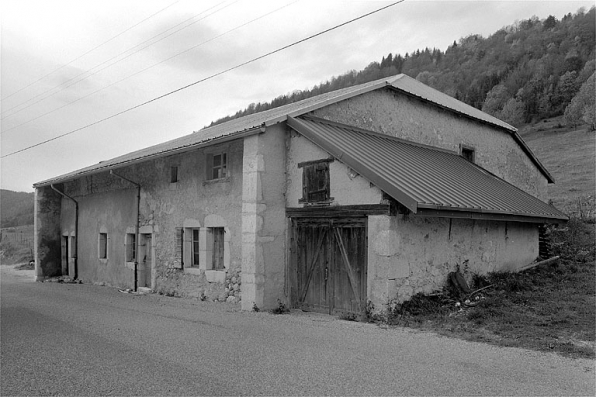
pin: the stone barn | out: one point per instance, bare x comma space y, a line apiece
365, 194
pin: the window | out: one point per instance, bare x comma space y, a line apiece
315, 181
195, 248
467, 152
103, 246
217, 165
217, 235
131, 247
173, 174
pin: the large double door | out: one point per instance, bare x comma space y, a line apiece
329, 264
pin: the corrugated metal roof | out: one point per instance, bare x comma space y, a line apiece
236, 127
423, 178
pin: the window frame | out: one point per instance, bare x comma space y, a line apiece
223, 168
174, 174
102, 245
130, 247
310, 192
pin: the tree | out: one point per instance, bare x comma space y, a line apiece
583, 105
549, 23
495, 100
513, 112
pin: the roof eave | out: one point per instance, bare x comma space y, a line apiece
153, 156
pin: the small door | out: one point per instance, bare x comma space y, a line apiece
329, 264
145, 271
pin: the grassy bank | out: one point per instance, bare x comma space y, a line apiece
547, 308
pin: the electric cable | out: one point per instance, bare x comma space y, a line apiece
91, 50
113, 63
149, 67
206, 78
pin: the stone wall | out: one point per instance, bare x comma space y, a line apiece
46, 237
413, 254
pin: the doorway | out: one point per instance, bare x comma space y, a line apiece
329, 264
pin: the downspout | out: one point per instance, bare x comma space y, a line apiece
76, 258
137, 226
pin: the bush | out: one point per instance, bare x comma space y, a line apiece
574, 241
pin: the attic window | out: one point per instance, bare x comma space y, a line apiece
174, 174
315, 181
467, 152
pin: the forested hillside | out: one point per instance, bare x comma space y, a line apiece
522, 73
16, 208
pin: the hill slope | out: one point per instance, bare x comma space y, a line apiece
16, 208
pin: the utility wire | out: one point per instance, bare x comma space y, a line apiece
206, 78
91, 50
114, 57
149, 67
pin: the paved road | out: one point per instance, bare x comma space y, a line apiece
66, 339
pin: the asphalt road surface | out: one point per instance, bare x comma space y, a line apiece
69, 339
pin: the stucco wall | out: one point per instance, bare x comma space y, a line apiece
165, 206
109, 212
408, 255
395, 114
346, 187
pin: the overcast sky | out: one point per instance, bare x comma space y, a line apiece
67, 64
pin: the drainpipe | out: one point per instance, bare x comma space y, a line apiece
137, 226
76, 258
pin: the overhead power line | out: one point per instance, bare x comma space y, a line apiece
91, 50
149, 67
207, 78
65, 85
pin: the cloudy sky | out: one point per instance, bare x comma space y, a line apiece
68, 64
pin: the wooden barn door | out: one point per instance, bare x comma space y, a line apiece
329, 264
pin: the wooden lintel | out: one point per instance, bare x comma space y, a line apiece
339, 211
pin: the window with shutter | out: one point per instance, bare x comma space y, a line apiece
316, 182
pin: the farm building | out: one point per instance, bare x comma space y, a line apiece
369, 193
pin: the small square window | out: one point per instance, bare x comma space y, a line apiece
468, 153
173, 174
217, 166
103, 245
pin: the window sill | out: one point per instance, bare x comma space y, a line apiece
173, 185
130, 265
316, 203
220, 180
215, 276
103, 260
195, 271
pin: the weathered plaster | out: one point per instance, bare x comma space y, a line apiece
408, 255
395, 114
346, 186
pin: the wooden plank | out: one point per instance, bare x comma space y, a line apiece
338, 211
310, 268
353, 281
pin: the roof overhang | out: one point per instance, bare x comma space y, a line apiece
427, 181
128, 160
